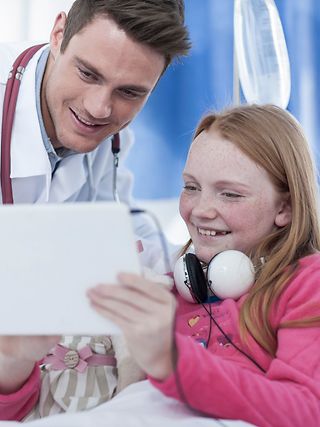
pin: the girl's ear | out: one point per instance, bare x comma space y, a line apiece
284, 215
56, 35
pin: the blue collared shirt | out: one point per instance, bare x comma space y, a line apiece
54, 157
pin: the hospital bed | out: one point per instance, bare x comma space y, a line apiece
139, 405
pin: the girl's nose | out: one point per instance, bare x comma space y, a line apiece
205, 207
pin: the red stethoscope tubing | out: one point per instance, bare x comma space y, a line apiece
9, 107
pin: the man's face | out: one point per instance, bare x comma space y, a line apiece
97, 85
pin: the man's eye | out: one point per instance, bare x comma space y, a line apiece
86, 75
127, 93
190, 188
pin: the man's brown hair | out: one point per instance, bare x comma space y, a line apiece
158, 24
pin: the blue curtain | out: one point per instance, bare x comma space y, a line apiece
203, 81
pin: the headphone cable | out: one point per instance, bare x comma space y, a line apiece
164, 247
229, 339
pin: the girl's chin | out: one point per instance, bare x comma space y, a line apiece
205, 256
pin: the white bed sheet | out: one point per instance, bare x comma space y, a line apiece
139, 405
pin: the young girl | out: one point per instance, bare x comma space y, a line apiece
249, 186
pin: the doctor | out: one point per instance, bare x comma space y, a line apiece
103, 61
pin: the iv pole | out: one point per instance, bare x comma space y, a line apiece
261, 67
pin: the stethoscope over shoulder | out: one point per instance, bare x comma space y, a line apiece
9, 107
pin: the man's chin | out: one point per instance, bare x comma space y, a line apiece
80, 147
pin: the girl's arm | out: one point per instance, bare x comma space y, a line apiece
287, 394
16, 405
20, 374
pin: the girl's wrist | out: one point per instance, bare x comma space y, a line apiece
163, 368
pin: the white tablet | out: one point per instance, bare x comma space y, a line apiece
50, 254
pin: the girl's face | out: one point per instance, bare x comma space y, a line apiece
228, 201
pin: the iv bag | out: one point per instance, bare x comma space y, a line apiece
261, 52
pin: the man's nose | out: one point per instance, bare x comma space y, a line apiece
98, 103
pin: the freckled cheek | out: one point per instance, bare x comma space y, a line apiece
185, 208
254, 222
243, 222
239, 219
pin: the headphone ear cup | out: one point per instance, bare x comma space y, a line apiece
230, 274
190, 280
198, 282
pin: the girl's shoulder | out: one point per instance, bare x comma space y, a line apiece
301, 295
307, 274
312, 260
308, 269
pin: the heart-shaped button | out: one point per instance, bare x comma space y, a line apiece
193, 321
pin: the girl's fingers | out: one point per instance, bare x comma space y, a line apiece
122, 298
117, 308
130, 305
133, 287
129, 308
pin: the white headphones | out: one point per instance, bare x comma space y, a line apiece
229, 274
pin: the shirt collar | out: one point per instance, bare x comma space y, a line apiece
54, 157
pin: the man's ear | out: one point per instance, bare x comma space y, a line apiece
284, 215
56, 35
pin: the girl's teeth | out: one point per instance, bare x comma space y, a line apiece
204, 232
207, 232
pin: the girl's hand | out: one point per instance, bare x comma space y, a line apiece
145, 312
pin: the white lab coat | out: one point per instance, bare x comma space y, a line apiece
81, 177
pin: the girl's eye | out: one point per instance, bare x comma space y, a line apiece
231, 195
